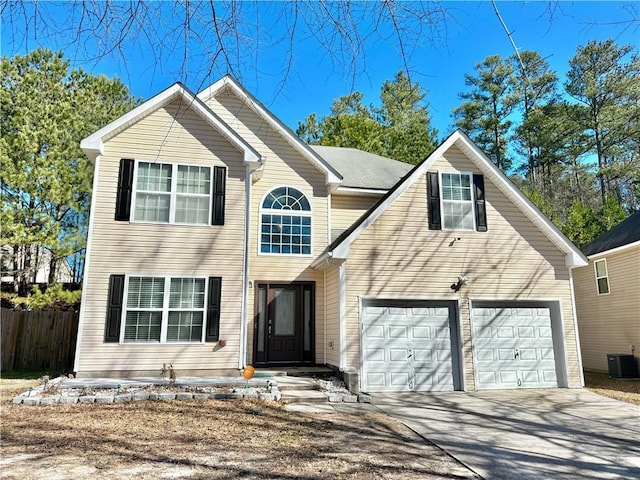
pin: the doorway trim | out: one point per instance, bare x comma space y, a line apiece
305, 321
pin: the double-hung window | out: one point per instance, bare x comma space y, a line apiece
164, 309
171, 193
456, 201
602, 276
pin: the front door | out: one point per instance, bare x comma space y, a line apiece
284, 324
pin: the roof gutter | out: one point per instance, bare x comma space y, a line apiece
331, 258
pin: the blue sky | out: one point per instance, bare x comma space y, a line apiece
472, 31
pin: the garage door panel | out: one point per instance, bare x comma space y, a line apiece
375, 331
372, 355
423, 355
421, 332
398, 355
416, 342
513, 347
508, 377
398, 331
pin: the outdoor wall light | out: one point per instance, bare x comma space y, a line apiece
461, 281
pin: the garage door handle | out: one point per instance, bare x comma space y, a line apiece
517, 354
410, 354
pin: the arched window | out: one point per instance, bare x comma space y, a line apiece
285, 222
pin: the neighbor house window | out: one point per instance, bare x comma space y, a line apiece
170, 193
164, 309
602, 277
285, 223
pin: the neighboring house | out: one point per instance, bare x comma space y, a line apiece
38, 272
607, 293
219, 239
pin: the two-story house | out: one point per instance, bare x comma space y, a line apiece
219, 239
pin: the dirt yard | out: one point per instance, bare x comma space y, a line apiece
208, 439
626, 390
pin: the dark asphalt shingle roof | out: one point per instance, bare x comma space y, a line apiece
362, 169
626, 232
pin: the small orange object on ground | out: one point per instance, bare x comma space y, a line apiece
248, 372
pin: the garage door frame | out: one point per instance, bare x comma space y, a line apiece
557, 331
457, 359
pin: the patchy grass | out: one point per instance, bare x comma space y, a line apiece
208, 439
20, 375
627, 390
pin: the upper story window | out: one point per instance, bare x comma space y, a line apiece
170, 193
456, 201
602, 276
457, 205
285, 222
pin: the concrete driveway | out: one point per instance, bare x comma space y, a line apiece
527, 434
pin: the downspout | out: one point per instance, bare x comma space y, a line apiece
343, 316
324, 347
87, 257
242, 358
575, 329
324, 275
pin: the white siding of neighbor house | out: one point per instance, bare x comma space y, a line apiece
399, 257
171, 134
609, 323
284, 167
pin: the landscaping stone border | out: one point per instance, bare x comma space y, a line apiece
241, 390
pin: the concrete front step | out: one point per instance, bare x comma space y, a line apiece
286, 383
303, 396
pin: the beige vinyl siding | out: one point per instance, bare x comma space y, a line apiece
399, 257
346, 209
333, 316
609, 323
171, 134
284, 167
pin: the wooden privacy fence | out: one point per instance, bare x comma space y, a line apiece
40, 340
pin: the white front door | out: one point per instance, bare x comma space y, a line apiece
407, 346
513, 346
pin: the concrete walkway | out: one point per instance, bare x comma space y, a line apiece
527, 434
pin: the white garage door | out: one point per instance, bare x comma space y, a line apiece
513, 346
407, 347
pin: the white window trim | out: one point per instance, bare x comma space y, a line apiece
165, 310
299, 213
172, 194
606, 275
472, 201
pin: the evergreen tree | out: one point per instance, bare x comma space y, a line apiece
484, 116
604, 79
400, 128
46, 108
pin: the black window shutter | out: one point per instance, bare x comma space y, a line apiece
433, 195
480, 206
219, 180
213, 309
125, 188
114, 309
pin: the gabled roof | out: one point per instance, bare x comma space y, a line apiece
624, 234
363, 170
339, 248
332, 177
93, 145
